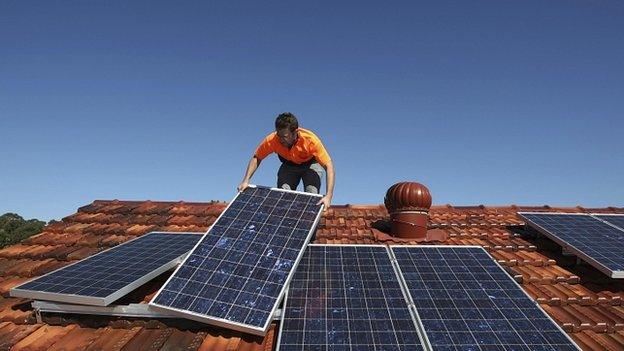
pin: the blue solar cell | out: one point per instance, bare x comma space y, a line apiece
237, 273
598, 243
346, 298
474, 305
102, 278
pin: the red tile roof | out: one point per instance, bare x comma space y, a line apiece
587, 304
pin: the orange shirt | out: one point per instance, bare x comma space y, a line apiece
307, 146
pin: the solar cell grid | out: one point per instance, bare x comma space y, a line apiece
598, 243
467, 302
346, 298
617, 220
104, 277
237, 273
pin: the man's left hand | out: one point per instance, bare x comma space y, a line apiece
325, 200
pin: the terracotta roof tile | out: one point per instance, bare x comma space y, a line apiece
564, 294
16, 316
140, 229
76, 228
42, 338
42, 251
183, 340
30, 268
184, 228
113, 240
83, 252
93, 240
11, 302
600, 318
77, 339
148, 339
11, 310
151, 208
203, 210
545, 274
7, 283
51, 238
61, 252
469, 241
116, 206
521, 258
14, 251
111, 339
590, 340
190, 220
149, 219
56, 227
231, 341
11, 333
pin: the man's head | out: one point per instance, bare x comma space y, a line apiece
286, 126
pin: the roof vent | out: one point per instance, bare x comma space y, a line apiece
408, 204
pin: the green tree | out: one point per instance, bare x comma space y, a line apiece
14, 228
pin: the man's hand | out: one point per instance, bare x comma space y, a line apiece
325, 200
242, 186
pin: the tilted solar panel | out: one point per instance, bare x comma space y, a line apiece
616, 220
236, 275
596, 242
105, 277
345, 297
466, 301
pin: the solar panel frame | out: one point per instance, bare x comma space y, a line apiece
225, 323
412, 301
418, 330
18, 291
613, 273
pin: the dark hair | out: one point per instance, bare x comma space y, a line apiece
286, 120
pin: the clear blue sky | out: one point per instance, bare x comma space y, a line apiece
485, 102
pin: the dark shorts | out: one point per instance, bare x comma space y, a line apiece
290, 174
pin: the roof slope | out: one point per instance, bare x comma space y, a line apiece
582, 300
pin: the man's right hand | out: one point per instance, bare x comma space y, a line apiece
242, 186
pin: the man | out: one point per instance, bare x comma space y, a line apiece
303, 157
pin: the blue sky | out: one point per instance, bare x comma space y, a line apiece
485, 102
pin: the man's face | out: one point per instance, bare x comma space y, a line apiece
286, 137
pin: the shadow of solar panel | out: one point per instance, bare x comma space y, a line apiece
594, 241
346, 297
105, 277
466, 301
236, 275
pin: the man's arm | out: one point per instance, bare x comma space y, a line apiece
329, 180
251, 168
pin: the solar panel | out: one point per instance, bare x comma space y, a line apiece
344, 298
616, 220
236, 275
466, 301
596, 242
105, 277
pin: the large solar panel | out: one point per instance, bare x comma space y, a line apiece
596, 242
345, 298
237, 274
466, 301
616, 220
105, 277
